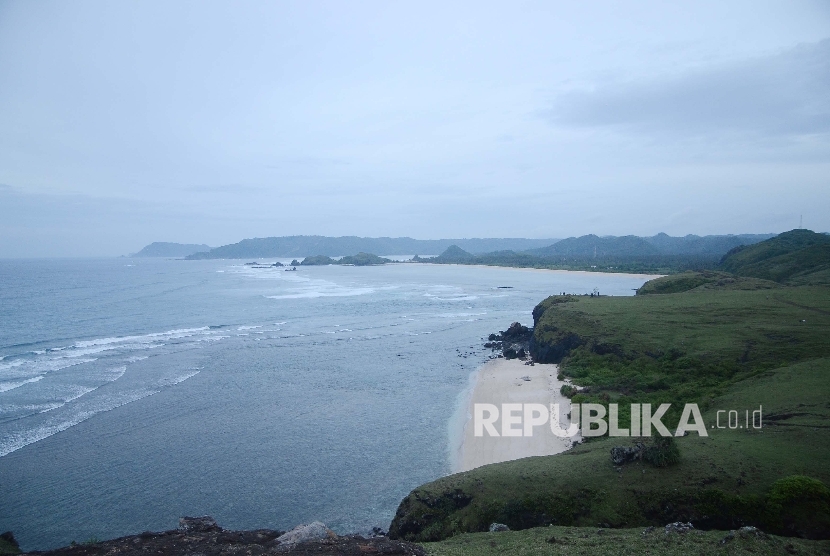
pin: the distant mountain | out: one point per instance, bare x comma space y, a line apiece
702, 245
591, 246
305, 246
166, 249
794, 257
453, 254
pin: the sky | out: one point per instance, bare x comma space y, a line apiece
124, 123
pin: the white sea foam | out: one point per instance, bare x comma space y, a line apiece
317, 293
248, 327
177, 379
25, 369
67, 414
14, 440
6, 386
155, 336
11, 365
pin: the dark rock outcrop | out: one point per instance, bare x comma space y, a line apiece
201, 524
201, 535
625, 454
513, 343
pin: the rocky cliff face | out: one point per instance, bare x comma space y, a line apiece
549, 344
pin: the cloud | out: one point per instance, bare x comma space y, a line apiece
786, 94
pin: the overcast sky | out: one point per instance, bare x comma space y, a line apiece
123, 123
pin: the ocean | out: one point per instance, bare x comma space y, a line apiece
136, 391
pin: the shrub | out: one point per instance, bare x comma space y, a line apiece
568, 391
663, 453
803, 504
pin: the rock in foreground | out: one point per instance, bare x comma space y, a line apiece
202, 536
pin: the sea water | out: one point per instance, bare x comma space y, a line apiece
136, 391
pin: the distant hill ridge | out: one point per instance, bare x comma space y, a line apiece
306, 246
612, 248
592, 246
584, 247
168, 249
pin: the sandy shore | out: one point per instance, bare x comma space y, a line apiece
511, 381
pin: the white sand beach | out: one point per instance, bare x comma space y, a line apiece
511, 381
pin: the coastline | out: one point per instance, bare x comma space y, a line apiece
501, 381
534, 269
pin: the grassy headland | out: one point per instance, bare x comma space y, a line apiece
724, 341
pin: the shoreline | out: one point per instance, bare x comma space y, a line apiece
532, 269
501, 381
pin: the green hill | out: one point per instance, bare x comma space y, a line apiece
720, 347
809, 265
703, 281
800, 256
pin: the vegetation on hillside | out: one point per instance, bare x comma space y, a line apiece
612, 542
660, 254
361, 259
702, 281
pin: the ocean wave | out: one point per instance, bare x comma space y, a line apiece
60, 418
317, 293
6, 386
177, 379
169, 334
27, 369
16, 440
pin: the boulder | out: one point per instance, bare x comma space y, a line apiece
201, 524
625, 454
678, 527
315, 531
8, 536
498, 527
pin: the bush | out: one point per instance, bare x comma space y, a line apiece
568, 391
663, 453
803, 504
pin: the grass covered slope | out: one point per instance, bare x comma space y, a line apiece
600, 542
705, 280
726, 349
796, 257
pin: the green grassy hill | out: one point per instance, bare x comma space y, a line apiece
795, 257
702, 281
581, 541
723, 347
